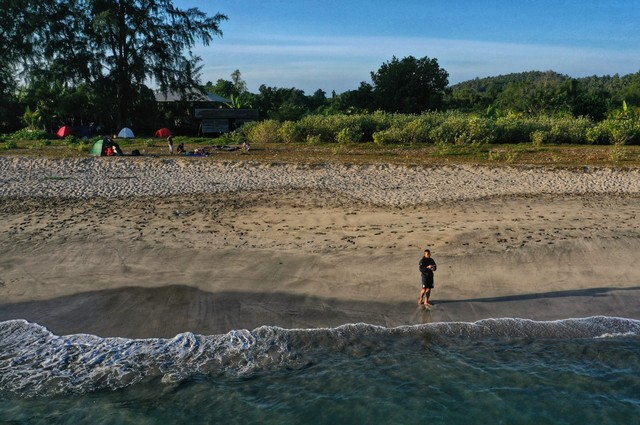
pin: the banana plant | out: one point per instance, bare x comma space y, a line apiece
33, 119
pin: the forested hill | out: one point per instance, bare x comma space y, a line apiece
501, 81
547, 91
536, 77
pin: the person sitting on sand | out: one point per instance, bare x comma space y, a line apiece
180, 149
426, 266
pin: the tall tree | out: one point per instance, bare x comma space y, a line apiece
151, 39
16, 36
122, 44
410, 85
239, 84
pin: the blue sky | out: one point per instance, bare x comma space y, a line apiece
334, 45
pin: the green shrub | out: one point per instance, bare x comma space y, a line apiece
322, 128
541, 137
569, 130
290, 132
515, 128
81, 146
480, 131
263, 131
419, 129
598, 135
461, 129
368, 124
349, 135
615, 131
408, 129
71, 141
444, 149
27, 134
503, 155
314, 139
450, 131
617, 153
10, 144
623, 132
231, 138
42, 143
390, 136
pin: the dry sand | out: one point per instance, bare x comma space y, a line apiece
151, 247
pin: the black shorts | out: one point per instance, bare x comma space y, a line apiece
427, 281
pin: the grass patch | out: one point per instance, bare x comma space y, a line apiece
517, 154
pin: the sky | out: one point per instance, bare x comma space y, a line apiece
333, 45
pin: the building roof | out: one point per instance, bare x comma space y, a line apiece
191, 96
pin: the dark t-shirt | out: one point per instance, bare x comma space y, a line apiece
427, 274
424, 262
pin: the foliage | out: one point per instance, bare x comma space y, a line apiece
561, 131
617, 153
232, 138
26, 134
81, 146
234, 89
459, 129
409, 85
282, 103
112, 46
502, 155
9, 144
547, 93
71, 140
32, 119
349, 135
262, 131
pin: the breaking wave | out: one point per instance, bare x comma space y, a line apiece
35, 362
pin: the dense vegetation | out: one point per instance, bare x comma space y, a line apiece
447, 128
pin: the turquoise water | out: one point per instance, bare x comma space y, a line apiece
511, 371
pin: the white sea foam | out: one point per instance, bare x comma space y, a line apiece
35, 362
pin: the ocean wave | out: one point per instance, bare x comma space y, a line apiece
35, 362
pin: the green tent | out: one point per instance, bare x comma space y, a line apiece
100, 147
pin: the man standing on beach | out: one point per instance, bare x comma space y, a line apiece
427, 266
170, 140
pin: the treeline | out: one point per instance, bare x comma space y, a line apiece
529, 93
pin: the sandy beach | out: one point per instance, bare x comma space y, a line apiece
151, 247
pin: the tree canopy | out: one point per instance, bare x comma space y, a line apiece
409, 85
114, 47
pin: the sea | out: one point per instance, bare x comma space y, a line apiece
495, 371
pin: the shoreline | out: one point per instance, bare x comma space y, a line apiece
309, 247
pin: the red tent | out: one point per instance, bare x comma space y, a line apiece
64, 131
163, 132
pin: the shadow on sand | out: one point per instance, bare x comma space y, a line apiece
163, 312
